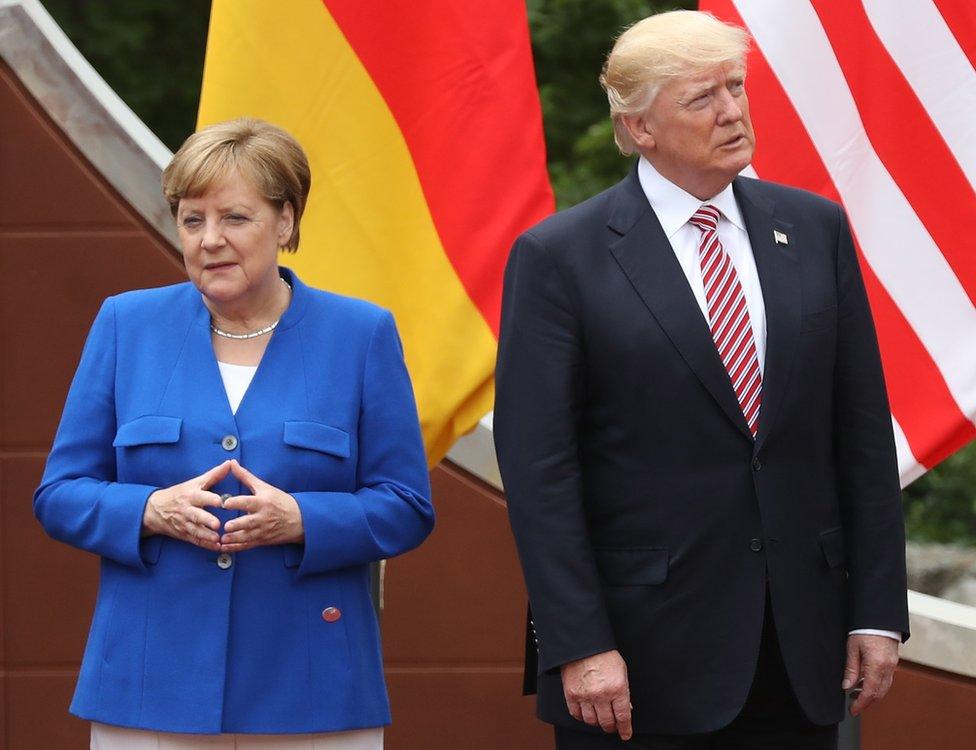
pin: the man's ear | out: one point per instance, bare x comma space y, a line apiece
639, 130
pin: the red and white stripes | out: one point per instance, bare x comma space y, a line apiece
873, 103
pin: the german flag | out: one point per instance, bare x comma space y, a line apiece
422, 123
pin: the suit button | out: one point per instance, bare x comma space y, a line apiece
229, 443
756, 545
224, 498
224, 561
756, 464
331, 614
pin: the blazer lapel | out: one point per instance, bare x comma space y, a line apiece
779, 277
267, 392
199, 367
646, 257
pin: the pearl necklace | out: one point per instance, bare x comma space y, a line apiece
253, 334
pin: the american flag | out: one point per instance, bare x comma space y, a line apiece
872, 103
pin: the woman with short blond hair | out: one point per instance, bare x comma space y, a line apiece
237, 449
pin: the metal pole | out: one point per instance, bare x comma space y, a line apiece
849, 733
376, 586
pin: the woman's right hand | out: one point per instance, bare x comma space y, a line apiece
178, 511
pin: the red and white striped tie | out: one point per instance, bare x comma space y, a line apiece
728, 316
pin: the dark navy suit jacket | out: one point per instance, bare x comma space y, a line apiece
177, 642
647, 518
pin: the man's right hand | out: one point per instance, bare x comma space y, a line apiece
597, 692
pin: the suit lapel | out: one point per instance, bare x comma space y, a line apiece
779, 277
647, 259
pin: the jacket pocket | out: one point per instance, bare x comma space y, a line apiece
148, 430
819, 320
832, 544
317, 437
149, 548
632, 566
292, 554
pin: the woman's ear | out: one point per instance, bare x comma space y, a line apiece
286, 223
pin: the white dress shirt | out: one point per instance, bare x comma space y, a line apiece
673, 208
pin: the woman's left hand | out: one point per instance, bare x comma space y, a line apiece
271, 515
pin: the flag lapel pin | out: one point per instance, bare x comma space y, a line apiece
780, 238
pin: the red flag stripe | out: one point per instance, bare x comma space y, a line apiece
945, 430
923, 47
960, 17
892, 237
926, 172
933, 424
456, 76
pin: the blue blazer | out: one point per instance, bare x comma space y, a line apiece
178, 643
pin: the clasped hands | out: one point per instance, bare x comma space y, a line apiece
271, 516
597, 691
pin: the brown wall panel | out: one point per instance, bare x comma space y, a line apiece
49, 588
51, 286
43, 180
3, 622
469, 710
453, 625
460, 596
924, 709
37, 713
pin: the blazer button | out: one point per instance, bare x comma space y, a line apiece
331, 614
756, 464
229, 443
224, 561
756, 545
224, 498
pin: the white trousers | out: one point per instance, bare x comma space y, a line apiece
107, 737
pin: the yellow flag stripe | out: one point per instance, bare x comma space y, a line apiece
367, 230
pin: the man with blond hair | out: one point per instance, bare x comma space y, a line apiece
694, 434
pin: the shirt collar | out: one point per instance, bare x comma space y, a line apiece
674, 207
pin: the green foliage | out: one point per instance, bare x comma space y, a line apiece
940, 506
150, 52
570, 40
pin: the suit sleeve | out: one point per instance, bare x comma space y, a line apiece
390, 512
538, 407
79, 500
865, 457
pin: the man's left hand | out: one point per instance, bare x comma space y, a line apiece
871, 662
